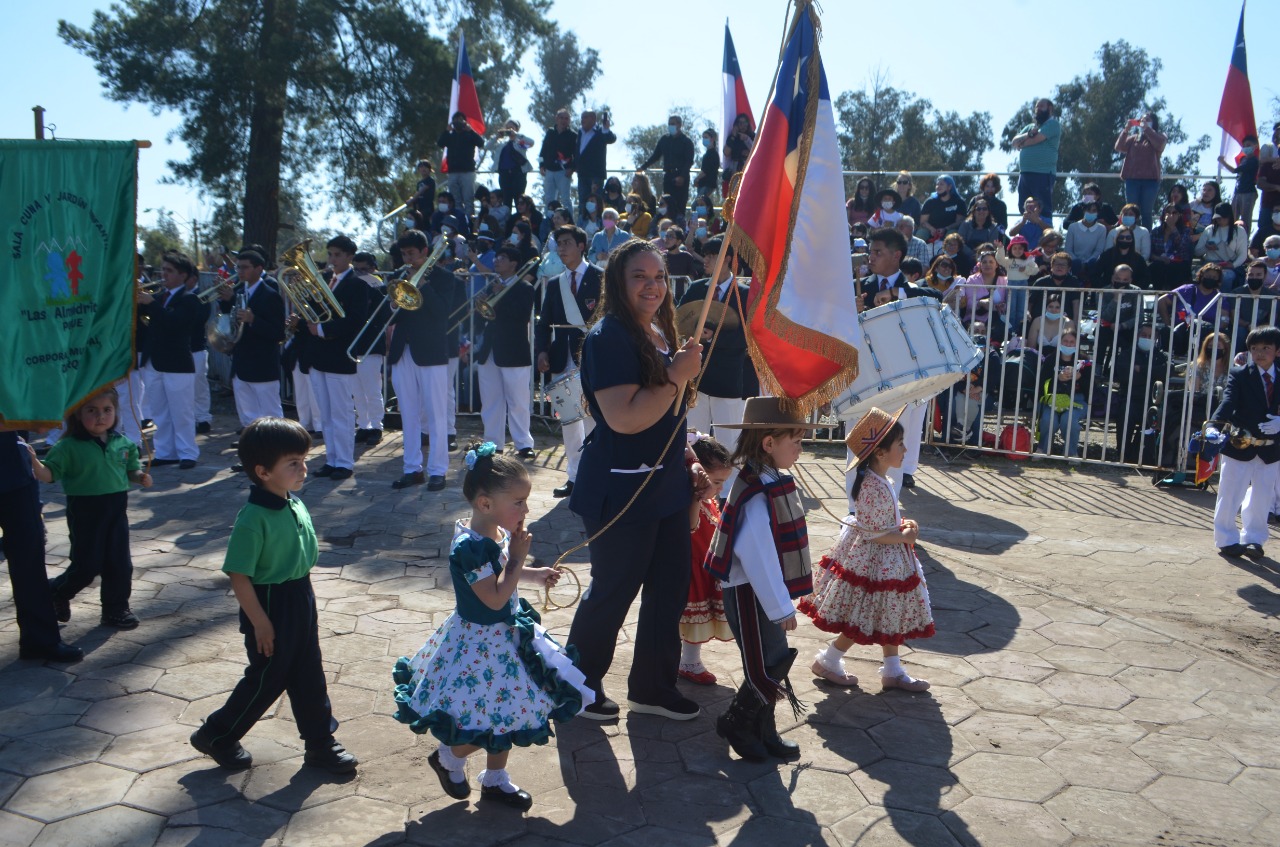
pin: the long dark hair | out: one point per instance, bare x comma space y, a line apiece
895, 432
871, 203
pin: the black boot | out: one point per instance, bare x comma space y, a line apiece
740, 725
775, 744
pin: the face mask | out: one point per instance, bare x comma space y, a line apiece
631, 208
1128, 220
1210, 282
609, 223
1275, 219
591, 205
1248, 151
444, 207
672, 129
701, 232
1091, 198
1146, 345
515, 238
887, 205
706, 142
944, 276
1052, 316
662, 210
1255, 283
1066, 351
702, 211
1090, 217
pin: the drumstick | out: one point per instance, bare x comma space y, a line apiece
712, 284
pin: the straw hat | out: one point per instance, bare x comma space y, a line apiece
768, 413
867, 434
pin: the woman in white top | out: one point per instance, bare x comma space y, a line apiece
1225, 243
1049, 327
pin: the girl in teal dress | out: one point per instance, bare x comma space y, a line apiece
490, 677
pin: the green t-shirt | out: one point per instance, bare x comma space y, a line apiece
86, 466
1041, 158
272, 540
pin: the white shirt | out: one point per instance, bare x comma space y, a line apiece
755, 558
587, 135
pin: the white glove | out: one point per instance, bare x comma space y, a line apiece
1213, 435
1271, 426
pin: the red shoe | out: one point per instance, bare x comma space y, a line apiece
702, 677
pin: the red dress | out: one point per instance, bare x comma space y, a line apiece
703, 618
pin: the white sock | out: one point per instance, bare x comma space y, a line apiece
892, 667
690, 654
457, 767
831, 657
498, 779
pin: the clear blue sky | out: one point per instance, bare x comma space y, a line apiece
644, 76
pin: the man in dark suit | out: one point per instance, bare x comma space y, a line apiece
168, 366
590, 162
255, 361
503, 360
1247, 477
675, 149
334, 383
720, 395
556, 161
567, 305
419, 360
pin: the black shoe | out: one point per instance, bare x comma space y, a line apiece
203, 428
683, 709
374, 437
526, 453
1253, 551
603, 709
60, 652
231, 756
740, 726
315, 434
1273, 519
61, 608
908, 481
186, 464
408, 480
1233, 550
518, 799
332, 757
456, 790
341, 473
564, 490
235, 444
453, 443
124, 619
425, 440
160, 463
325, 470
435, 483
237, 468
361, 435
146, 423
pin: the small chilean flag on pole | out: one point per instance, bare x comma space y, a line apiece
1235, 115
789, 225
463, 97
735, 90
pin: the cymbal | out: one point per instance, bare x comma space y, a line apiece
687, 317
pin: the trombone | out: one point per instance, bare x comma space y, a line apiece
484, 301
401, 294
303, 284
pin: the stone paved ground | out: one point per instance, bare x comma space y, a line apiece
1101, 677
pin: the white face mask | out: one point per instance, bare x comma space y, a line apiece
887, 205
1146, 345
662, 210
444, 207
515, 238
1066, 351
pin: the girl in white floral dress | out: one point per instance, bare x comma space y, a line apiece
490, 677
870, 588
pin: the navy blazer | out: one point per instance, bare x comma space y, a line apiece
256, 357
724, 375
506, 337
328, 353
172, 321
424, 331
563, 346
1244, 403
591, 161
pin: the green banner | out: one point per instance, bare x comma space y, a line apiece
67, 279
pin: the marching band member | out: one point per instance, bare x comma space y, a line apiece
200, 353
503, 358
255, 361
169, 367
334, 383
567, 304
295, 359
370, 405
421, 378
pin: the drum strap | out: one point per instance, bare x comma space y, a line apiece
572, 314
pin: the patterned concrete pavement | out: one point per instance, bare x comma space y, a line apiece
1100, 677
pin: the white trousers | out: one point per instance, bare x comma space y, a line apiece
335, 395
256, 400
423, 392
505, 403
130, 411
453, 396
912, 421
203, 414
173, 407
370, 405
574, 435
717, 410
1247, 489
304, 400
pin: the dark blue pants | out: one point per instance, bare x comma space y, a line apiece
23, 531
650, 559
296, 668
99, 529
1039, 186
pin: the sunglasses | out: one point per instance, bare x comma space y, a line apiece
904, 182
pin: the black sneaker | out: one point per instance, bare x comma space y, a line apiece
332, 757
683, 709
603, 709
124, 619
231, 756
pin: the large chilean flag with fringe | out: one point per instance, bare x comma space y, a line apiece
735, 90
463, 96
1235, 114
790, 227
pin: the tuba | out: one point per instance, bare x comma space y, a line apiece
303, 285
224, 329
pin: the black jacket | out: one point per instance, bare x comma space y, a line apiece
425, 330
506, 337
256, 357
1244, 404
173, 321
676, 153
561, 344
724, 373
460, 149
591, 161
558, 150
329, 352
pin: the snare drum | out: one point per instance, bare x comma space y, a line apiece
911, 350
565, 395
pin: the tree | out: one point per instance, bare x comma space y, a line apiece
884, 130
567, 75
162, 238
285, 89
642, 139
1095, 107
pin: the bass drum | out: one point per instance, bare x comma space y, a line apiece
565, 395
911, 350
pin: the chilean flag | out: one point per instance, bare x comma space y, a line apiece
735, 90
1235, 115
463, 97
790, 227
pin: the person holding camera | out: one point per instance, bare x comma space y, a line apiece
513, 161
592, 150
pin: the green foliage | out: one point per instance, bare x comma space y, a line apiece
164, 237
883, 130
1095, 107
567, 75
642, 140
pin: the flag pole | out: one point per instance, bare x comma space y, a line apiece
1222, 152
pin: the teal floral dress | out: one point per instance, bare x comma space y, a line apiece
491, 678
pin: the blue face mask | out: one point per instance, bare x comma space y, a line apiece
1066, 351
1273, 253
1090, 217
591, 205
1128, 220
702, 211
701, 232
706, 142
672, 129
1052, 316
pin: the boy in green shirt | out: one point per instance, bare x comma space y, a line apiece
269, 559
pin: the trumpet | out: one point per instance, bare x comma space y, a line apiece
302, 283
401, 294
211, 293
154, 287
486, 298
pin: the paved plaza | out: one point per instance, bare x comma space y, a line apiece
1100, 677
